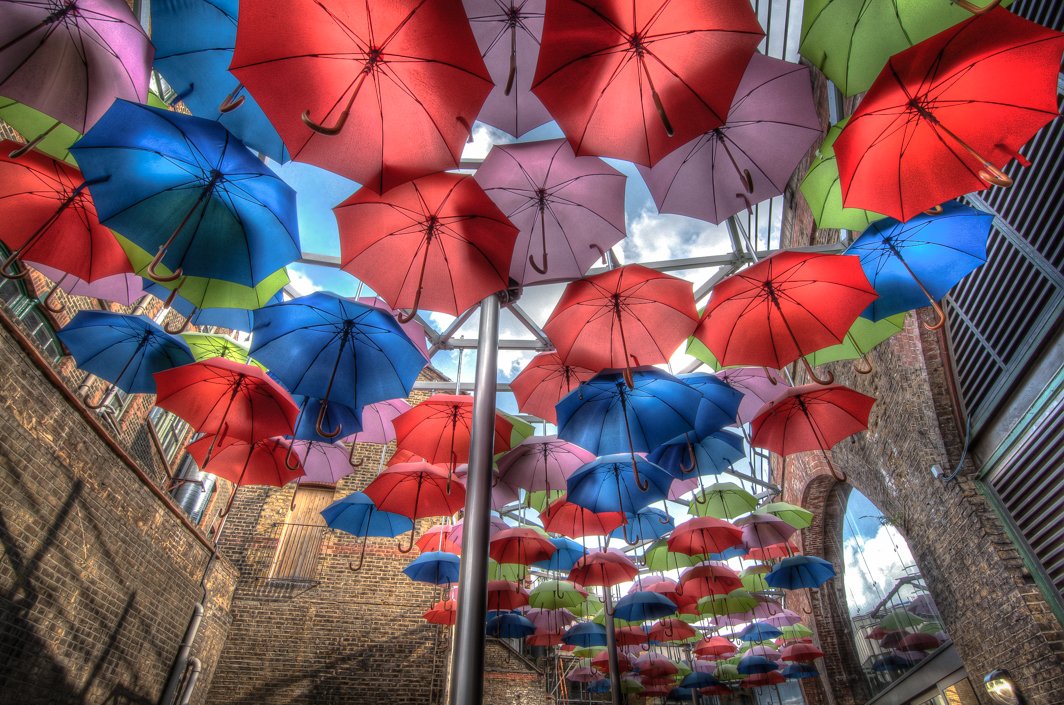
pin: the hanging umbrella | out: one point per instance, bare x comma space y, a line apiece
601, 662
434, 567
227, 400
715, 647
549, 620
260, 462
703, 535
811, 417
506, 595
798, 572
507, 33
49, 217
647, 524
416, 490
659, 557
327, 347
556, 594
643, 607
205, 346
916, 263
357, 515
520, 545
771, 124
654, 664
945, 114
406, 75
542, 463
851, 41
759, 385
572, 520
798, 671
122, 289
613, 483
899, 619
439, 429
603, 568
723, 500
823, 193
194, 42
862, 337
502, 493
437, 243
802, 653
636, 80
186, 188
719, 404
569, 210
42, 132
510, 625
785, 306
707, 579
583, 674
794, 515
544, 639
759, 631
438, 538
323, 463
737, 601
122, 349
71, 60
566, 553
585, 634
444, 612
377, 420
760, 530
413, 329
332, 416
672, 630
796, 631
543, 382
712, 455
780, 618
588, 324
510, 572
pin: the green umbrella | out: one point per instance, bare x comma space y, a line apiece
754, 582
795, 631
792, 514
860, 339
630, 685
587, 651
521, 430
512, 572
555, 594
900, 618
205, 346
851, 40
698, 350
658, 558
600, 618
540, 499
727, 671
735, 602
723, 500
930, 628
823, 193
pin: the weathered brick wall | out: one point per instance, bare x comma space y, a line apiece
99, 575
510, 679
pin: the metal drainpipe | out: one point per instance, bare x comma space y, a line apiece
190, 684
181, 661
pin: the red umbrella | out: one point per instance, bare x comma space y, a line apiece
603, 568
262, 462
520, 546
635, 80
226, 399
773, 551
783, 308
919, 641
623, 318
415, 490
545, 639
50, 218
811, 417
544, 381
670, 629
438, 538
708, 579
802, 653
437, 243
945, 114
601, 660
630, 636
703, 535
505, 595
444, 612
716, 647
653, 665
407, 74
439, 428
572, 520
762, 679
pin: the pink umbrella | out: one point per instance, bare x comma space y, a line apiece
549, 620
120, 288
761, 530
759, 386
495, 525
768, 608
377, 424
766, 651
569, 209
502, 493
681, 487
508, 33
785, 618
542, 463
583, 674
323, 463
544, 381
703, 666
413, 329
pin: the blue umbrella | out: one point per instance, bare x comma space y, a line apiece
185, 188
357, 515
796, 572
733, 552
604, 415
698, 679
917, 262
600, 686
567, 553
720, 401
611, 484
648, 524
643, 606
585, 634
434, 567
680, 694
760, 631
319, 341
712, 455
891, 662
194, 42
122, 349
797, 671
336, 415
228, 318
510, 625
752, 664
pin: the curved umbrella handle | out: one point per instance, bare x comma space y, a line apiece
602, 253
10, 261
180, 329
693, 463
231, 102
867, 368
532, 263
830, 379
351, 457
47, 300
293, 468
361, 557
607, 605
331, 130
321, 419
771, 377
747, 179
153, 267
975, 9
101, 403
934, 210
410, 546
668, 517
838, 475
643, 485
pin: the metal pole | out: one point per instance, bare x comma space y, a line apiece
611, 648
467, 667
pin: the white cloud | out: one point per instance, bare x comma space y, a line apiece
872, 565
655, 237
301, 282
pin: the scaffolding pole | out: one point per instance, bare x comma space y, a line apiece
467, 667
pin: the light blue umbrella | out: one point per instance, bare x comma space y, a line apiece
357, 515
434, 567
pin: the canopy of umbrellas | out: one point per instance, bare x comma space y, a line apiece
115, 192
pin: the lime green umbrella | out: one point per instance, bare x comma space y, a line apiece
521, 430
698, 350
930, 628
630, 685
203, 292
860, 339
600, 618
723, 500
540, 499
851, 40
658, 557
754, 582
822, 192
727, 671
900, 618
791, 513
512, 572
555, 594
795, 631
205, 346
735, 602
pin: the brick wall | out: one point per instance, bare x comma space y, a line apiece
511, 680
99, 574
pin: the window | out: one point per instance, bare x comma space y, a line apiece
300, 536
15, 297
171, 431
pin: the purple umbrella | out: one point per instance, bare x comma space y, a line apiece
72, 60
771, 124
323, 463
377, 420
495, 525
502, 493
569, 209
923, 606
549, 620
761, 530
508, 33
681, 487
766, 651
542, 463
583, 674
767, 608
785, 618
703, 666
759, 386
413, 329
120, 288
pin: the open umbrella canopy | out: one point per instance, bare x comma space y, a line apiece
761, 530
585, 634
544, 381
332, 416
521, 545
635, 80
569, 210
204, 346
542, 463
798, 572
708, 579
439, 428
759, 385
823, 192
407, 77
712, 455
72, 60
647, 524
862, 337
794, 515
323, 463
357, 515
611, 483
434, 567
803, 653
187, 189
509, 625
444, 613
43, 132
723, 500
738, 601
120, 288
603, 568
556, 594
123, 349
810, 417
567, 552
416, 490
643, 607
569, 519
759, 631
261, 462
703, 535
506, 595
376, 421
438, 538
716, 647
